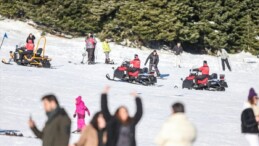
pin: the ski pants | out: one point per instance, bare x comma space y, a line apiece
155, 67
107, 55
225, 61
252, 139
91, 57
200, 77
25, 53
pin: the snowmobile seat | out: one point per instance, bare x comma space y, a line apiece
144, 70
213, 76
39, 52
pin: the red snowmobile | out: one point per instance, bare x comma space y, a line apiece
126, 73
211, 83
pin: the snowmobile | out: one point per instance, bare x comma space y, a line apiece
211, 83
140, 76
37, 58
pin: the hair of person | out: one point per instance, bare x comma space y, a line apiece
50, 98
94, 121
178, 107
119, 118
205, 62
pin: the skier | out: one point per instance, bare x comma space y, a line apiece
205, 70
57, 128
224, 58
90, 47
120, 126
94, 134
249, 120
178, 50
106, 50
80, 113
153, 59
177, 130
30, 37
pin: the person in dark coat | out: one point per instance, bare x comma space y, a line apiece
153, 59
30, 37
178, 49
57, 128
90, 47
249, 121
120, 126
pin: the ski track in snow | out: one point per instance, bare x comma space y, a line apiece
215, 114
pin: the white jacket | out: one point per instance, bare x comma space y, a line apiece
176, 131
223, 54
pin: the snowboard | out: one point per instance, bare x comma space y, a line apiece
4, 62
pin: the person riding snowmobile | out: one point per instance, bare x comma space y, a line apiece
31, 37
205, 70
29, 49
153, 59
135, 64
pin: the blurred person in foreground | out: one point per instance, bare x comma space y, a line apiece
121, 128
95, 133
177, 129
57, 128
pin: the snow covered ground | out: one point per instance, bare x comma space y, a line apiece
215, 114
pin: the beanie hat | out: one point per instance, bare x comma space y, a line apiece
251, 94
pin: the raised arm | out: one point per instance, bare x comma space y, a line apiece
104, 107
139, 112
37, 132
87, 110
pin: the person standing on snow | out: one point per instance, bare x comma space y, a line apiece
57, 128
177, 130
94, 134
120, 126
80, 113
30, 37
153, 59
249, 120
205, 71
106, 50
178, 50
90, 47
224, 58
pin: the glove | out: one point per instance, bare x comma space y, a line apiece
74, 115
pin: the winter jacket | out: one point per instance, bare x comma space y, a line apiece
153, 59
176, 131
30, 38
178, 50
223, 54
57, 129
205, 70
248, 121
106, 47
114, 125
80, 107
136, 63
90, 43
89, 137
29, 46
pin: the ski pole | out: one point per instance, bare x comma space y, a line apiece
5, 36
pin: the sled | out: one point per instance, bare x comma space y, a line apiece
164, 75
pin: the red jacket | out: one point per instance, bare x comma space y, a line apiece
30, 45
205, 70
136, 63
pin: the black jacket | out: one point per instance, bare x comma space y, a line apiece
178, 50
249, 124
57, 129
154, 59
113, 124
30, 38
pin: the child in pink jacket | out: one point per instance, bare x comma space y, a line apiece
80, 113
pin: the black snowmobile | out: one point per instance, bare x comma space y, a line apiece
125, 74
211, 83
37, 58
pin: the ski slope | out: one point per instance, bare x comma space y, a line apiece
216, 115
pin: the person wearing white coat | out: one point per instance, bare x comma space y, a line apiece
177, 129
224, 58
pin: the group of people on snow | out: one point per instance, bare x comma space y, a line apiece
107, 129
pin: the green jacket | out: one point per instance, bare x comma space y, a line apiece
57, 129
106, 47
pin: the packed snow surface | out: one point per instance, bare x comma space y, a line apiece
216, 115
